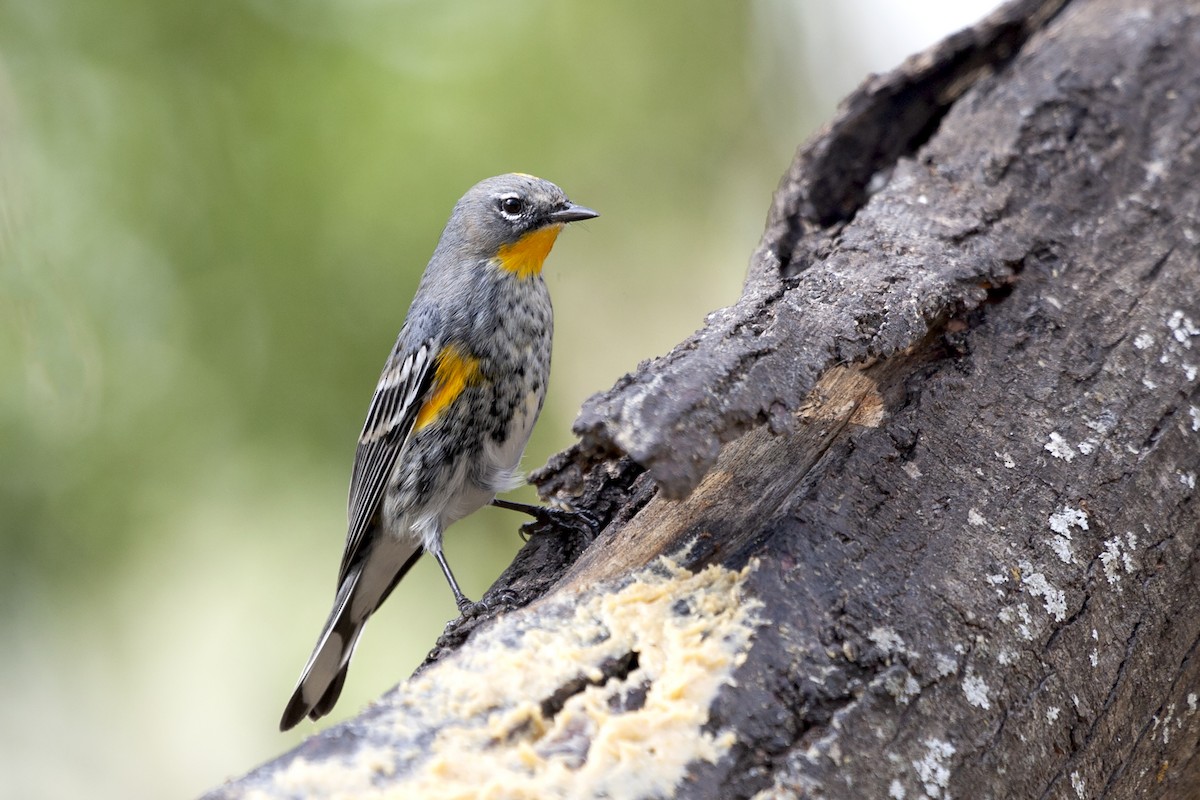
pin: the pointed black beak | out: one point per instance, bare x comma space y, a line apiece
572, 213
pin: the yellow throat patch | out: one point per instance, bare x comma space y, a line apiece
525, 256
455, 370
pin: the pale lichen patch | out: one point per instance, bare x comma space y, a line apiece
976, 691
1059, 447
1018, 614
1061, 545
1061, 522
901, 685
886, 639
533, 707
945, 665
931, 768
1118, 553
1105, 423
975, 518
1182, 328
1064, 519
1036, 585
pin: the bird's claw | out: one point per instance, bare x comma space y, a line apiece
581, 522
469, 609
503, 598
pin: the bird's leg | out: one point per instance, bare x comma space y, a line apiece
579, 521
538, 512
465, 606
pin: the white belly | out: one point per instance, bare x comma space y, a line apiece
501, 472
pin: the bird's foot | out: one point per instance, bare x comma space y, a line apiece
499, 600
468, 609
579, 522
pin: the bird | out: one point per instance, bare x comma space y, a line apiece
452, 411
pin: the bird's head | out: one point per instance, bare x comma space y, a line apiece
513, 219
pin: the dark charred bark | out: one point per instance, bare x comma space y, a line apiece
926, 491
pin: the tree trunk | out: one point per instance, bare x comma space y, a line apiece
915, 517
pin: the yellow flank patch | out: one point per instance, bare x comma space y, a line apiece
525, 256
453, 372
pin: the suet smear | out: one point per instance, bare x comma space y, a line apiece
484, 727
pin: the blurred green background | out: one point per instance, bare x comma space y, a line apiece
212, 218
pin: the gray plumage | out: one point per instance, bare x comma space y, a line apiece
478, 331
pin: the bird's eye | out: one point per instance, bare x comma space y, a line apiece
511, 206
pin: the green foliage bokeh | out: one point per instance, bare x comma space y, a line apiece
216, 212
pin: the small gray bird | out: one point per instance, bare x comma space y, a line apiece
452, 412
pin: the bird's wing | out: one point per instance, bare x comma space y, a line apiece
403, 388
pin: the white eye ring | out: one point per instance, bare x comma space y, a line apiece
511, 205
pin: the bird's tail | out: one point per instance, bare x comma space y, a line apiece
361, 592
321, 681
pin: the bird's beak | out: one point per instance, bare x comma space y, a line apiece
572, 213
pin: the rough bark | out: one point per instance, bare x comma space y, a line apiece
926, 491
